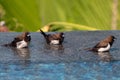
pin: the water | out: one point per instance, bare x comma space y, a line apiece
61, 71
67, 62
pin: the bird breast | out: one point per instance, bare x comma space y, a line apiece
104, 48
54, 42
21, 44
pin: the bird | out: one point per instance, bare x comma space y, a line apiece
104, 45
21, 41
3, 27
53, 39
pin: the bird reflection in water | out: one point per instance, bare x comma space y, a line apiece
54, 50
105, 56
23, 54
54, 47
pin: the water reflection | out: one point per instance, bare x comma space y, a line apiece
23, 55
54, 47
55, 51
105, 56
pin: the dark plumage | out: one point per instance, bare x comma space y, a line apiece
55, 39
20, 41
104, 45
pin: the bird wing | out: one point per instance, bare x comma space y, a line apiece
52, 37
101, 44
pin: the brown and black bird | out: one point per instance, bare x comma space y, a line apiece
104, 45
54, 39
21, 41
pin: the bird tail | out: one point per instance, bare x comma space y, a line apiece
43, 33
90, 49
6, 45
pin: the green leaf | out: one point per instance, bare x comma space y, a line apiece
23, 15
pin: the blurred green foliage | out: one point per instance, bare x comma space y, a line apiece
30, 15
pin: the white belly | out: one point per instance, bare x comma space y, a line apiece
104, 49
54, 42
22, 44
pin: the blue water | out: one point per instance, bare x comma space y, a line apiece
71, 62
60, 71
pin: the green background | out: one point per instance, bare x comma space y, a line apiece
67, 15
